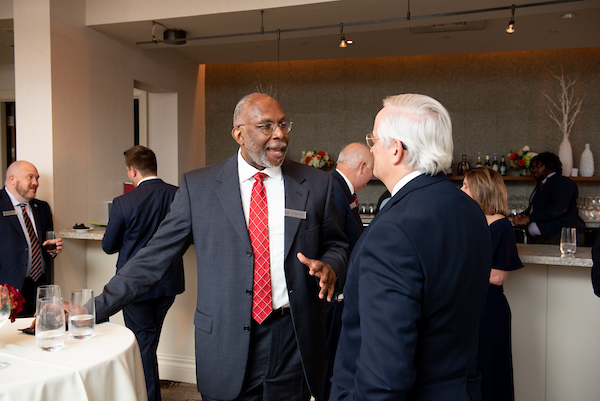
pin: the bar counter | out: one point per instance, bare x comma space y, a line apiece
555, 325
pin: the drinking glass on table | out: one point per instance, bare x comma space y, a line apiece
4, 313
82, 314
50, 323
50, 290
568, 241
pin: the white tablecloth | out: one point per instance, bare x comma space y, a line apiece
106, 366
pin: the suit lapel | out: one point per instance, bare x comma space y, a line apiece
228, 193
7, 206
296, 197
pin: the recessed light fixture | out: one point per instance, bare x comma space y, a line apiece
567, 15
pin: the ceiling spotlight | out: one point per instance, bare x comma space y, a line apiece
343, 41
567, 15
511, 23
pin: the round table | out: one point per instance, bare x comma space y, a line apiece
106, 366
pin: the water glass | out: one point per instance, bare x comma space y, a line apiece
82, 314
568, 241
49, 247
4, 313
50, 323
45, 291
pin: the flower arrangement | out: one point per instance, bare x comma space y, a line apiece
16, 300
521, 159
318, 159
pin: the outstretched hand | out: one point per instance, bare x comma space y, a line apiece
325, 274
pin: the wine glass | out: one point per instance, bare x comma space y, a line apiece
4, 313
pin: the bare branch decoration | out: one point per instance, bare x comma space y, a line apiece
564, 112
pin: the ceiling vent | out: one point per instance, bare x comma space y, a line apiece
453, 27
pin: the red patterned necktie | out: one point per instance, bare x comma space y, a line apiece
36, 251
258, 228
356, 201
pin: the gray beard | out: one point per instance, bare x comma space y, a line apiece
259, 156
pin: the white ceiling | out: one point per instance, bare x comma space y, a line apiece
378, 27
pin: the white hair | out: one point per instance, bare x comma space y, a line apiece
423, 125
354, 154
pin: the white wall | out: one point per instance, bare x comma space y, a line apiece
74, 91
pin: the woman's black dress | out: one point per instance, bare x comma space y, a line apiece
494, 360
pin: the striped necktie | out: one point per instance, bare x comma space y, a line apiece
36, 250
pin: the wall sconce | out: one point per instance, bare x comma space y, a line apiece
511, 23
343, 41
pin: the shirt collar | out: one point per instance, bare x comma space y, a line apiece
405, 180
350, 186
152, 177
246, 171
548, 176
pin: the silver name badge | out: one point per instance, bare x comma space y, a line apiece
353, 205
9, 213
297, 214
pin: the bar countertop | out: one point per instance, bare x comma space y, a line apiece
95, 234
550, 255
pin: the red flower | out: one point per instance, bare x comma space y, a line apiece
322, 153
307, 160
513, 156
521, 163
16, 300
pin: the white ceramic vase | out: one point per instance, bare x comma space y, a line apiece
586, 166
565, 154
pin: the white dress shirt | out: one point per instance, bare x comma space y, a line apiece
275, 188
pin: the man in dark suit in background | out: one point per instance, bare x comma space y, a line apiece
353, 171
553, 203
418, 276
25, 260
277, 351
134, 218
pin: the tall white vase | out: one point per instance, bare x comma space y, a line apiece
565, 154
586, 166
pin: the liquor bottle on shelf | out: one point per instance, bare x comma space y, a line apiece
463, 166
487, 160
495, 164
502, 166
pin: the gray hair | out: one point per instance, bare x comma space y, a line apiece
423, 125
240, 107
354, 154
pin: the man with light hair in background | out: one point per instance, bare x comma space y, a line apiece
418, 276
353, 171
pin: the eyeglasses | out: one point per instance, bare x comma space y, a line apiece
370, 139
268, 129
536, 166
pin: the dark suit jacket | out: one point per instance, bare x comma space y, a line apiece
417, 282
14, 252
134, 218
555, 206
348, 214
596, 266
208, 211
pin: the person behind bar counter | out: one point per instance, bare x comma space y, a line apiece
553, 203
494, 360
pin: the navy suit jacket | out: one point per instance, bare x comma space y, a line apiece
417, 282
14, 252
134, 218
554, 206
347, 212
208, 211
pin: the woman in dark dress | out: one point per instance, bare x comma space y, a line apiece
494, 359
